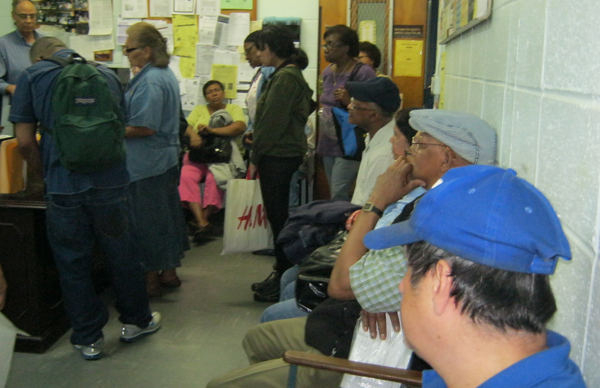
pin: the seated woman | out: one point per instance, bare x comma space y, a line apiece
203, 206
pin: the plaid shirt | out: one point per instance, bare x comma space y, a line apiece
375, 279
376, 276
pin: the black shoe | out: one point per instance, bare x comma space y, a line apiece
201, 239
209, 230
272, 281
192, 228
264, 252
270, 296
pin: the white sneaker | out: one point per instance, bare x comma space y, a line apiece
132, 333
92, 351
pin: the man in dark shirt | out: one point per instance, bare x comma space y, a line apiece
82, 208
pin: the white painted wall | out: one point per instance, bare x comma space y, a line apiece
308, 10
532, 71
6, 22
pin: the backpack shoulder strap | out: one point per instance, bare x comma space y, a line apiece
59, 61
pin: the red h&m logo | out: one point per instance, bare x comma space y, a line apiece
259, 219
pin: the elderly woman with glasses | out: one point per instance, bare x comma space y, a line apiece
152, 109
341, 50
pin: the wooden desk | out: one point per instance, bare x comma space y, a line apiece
34, 298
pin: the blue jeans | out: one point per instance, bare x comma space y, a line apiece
287, 307
74, 223
341, 174
287, 283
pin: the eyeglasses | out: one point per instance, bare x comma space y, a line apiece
129, 50
416, 146
247, 51
351, 106
329, 46
25, 16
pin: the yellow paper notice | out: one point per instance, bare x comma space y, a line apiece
227, 74
187, 61
408, 58
185, 30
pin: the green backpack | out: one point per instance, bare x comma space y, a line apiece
89, 130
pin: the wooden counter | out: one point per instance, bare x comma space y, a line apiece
34, 298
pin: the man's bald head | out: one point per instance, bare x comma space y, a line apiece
45, 47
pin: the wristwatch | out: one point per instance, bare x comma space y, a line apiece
369, 207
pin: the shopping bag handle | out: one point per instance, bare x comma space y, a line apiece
248, 175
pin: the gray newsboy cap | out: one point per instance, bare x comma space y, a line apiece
466, 134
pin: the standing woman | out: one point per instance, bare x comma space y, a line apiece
341, 50
279, 141
152, 109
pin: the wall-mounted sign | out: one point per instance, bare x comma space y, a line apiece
408, 58
404, 31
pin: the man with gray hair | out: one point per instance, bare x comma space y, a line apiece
14, 46
82, 208
444, 140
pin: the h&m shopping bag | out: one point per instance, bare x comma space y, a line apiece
246, 225
390, 352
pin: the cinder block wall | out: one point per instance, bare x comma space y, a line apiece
533, 72
308, 11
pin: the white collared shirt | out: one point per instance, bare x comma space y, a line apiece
376, 158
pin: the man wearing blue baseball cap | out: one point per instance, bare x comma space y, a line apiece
476, 298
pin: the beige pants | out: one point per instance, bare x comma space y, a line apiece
264, 345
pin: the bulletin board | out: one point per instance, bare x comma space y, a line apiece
458, 16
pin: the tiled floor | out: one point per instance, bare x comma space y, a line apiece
202, 328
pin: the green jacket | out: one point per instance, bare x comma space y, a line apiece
281, 115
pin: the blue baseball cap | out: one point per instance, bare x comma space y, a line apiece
487, 215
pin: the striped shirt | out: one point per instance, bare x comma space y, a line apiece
14, 58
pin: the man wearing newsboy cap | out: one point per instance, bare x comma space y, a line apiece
476, 298
444, 140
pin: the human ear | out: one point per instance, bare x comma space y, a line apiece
441, 287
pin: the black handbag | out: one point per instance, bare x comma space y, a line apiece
214, 149
314, 274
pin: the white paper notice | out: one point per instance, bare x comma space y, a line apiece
208, 7
122, 26
161, 8
190, 100
174, 66
239, 28
205, 58
82, 45
101, 17
184, 6
103, 42
245, 72
224, 57
207, 26
221, 32
134, 9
